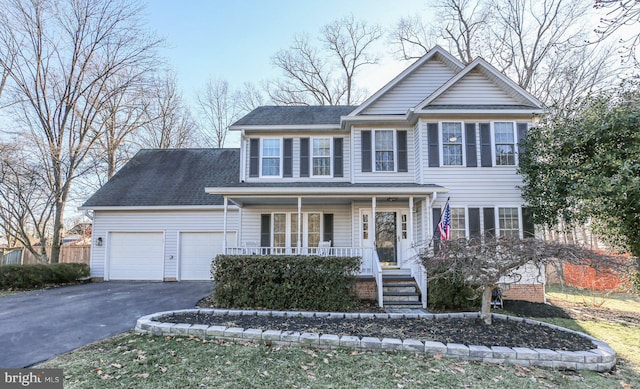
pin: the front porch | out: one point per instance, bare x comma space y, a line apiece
382, 225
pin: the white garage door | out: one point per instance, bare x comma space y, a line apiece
197, 249
136, 256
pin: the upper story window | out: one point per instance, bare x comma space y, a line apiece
505, 143
321, 157
452, 144
384, 151
271, 157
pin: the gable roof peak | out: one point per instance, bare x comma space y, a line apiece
435, 52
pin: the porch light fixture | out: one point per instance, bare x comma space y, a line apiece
99, 242
390, 199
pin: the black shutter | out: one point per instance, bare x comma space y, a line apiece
402, 151
328, 228
474, 223
338, 164
528, 228
254, 157
304, 157
522, 134
472, 155
489, 222
365, 148
485, 145
287, 163
434, 147
265, 230
436, 234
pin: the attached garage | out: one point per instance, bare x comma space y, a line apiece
136, 256
197, 249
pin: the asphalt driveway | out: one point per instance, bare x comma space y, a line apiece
38, 325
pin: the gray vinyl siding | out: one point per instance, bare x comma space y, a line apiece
475, 88
341, 220
412, 89
386, 177
296, 156
171, 223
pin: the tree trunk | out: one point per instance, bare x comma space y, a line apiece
56, 242
485, 311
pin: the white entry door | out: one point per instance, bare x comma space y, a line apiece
388, 234
197, 250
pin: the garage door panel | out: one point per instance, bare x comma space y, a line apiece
197, 249
136, 256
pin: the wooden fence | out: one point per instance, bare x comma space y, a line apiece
68, 254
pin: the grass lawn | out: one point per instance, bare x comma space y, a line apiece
142, 361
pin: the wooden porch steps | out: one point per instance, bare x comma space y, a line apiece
399, 289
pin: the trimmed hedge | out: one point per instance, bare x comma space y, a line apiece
285, 282
36, 276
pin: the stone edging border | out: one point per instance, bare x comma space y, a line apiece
601, 358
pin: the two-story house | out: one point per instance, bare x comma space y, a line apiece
368, 180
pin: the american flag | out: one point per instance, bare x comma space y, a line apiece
445, 224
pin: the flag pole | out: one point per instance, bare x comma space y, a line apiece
435, 228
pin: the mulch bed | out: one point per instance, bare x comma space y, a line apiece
465, 331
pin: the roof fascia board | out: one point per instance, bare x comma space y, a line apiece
435, 50
154, 207
468, 112
280, 127
487, 67
319, 191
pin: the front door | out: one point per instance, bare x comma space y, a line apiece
387, 237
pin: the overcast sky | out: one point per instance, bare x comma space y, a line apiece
234, 40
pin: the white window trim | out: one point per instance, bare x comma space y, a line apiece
311, 156
515, 144
281, 157
441, 144
395, 150
496, 214
288, 229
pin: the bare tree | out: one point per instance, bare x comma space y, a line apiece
26, 202
539, 44
483, 263
219, 108
249, 97
169, 122
312, 75
619, 15
64, 56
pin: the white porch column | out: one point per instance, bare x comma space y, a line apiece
299, 224
373, 221
224, 226
411, 239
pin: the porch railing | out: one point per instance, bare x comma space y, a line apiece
368, 257
377, 274
418, 272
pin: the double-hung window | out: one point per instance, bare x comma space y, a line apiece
508, 222
384, 151
271, 157
505, 143
452, 144
321, 156
458, 226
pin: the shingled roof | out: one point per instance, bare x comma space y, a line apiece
294, 115
174, 177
